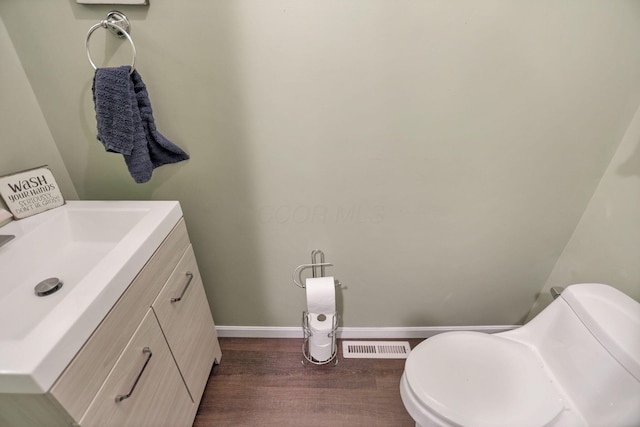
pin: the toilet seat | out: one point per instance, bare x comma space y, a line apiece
476, 379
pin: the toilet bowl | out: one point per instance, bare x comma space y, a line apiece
577, 363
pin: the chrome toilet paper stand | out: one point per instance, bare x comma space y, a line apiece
317, 267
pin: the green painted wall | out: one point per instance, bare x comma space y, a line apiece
25, 139
440, 153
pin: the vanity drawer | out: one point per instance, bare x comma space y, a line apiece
144, 388
185, 318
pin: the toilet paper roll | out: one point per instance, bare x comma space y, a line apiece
321, 295
321, 339
321, 353
321, 326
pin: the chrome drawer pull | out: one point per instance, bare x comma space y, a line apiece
190, 276
121, 397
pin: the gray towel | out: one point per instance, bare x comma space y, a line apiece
125, 122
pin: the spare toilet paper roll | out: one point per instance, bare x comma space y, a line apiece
321, 326
321, 353
321, 295
321, 338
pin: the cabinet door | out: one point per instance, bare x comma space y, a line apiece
144, 388
185, 318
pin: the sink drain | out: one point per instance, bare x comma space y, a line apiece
48, 286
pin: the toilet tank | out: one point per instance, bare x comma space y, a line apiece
588, 339
613, 319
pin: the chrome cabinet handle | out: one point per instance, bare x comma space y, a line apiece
121, 397
190, 276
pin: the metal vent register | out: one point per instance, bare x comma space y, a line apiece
375, 349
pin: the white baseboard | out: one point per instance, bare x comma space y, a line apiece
354, 332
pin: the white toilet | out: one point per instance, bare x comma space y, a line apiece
575, 364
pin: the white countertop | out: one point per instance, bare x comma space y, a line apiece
96, 248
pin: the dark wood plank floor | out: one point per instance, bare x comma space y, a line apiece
261, 382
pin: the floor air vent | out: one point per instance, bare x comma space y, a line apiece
375, 349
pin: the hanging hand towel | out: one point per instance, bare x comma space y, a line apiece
126, 125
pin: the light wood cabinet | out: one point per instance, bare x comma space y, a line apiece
165, 309
144, 388
187, 323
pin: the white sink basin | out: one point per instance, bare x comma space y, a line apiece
95, 248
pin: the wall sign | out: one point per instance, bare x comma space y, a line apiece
30, 192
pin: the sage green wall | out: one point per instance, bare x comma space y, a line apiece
605, 246
25, 140
440, 153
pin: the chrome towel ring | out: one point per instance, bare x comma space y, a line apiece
118, 24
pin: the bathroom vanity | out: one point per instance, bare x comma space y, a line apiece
145, 363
